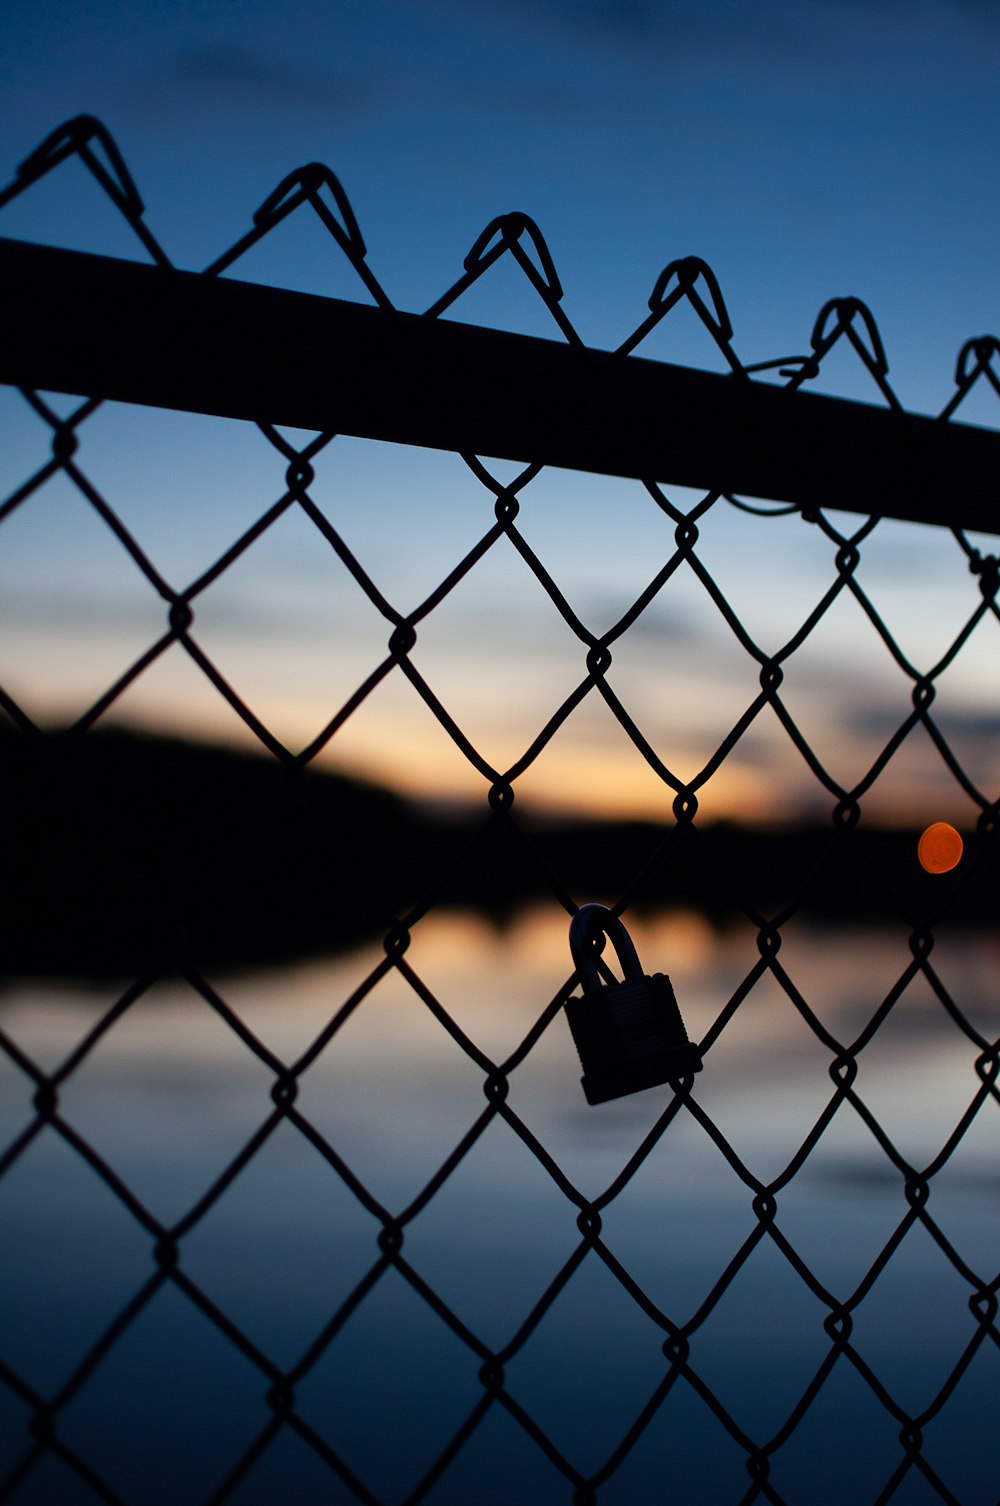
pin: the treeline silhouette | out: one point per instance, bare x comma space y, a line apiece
122, 851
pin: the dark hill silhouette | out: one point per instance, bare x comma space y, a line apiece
121, 850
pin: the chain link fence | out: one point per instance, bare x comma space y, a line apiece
164, 935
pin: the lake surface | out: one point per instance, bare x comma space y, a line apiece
171, 1094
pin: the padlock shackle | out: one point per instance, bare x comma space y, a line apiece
587, 924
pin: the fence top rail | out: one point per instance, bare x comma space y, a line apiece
103, 327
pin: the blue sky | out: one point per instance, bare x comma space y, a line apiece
804, 150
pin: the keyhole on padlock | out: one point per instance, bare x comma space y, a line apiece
629, 1034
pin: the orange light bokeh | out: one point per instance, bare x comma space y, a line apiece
939, 848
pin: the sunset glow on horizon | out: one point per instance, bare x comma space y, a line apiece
292, 629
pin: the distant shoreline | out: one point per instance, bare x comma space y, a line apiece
123, 851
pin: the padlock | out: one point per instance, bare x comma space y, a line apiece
629, 1035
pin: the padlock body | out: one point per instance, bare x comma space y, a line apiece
630, 1036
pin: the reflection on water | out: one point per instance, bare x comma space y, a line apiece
170, 1095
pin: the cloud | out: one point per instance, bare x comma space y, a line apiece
633, 19
967, 724
824, 34
666, 27
253, 76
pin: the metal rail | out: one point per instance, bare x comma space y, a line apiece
108, 328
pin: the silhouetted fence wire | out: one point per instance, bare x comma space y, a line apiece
72, 351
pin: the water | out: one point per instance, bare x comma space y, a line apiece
170, 1095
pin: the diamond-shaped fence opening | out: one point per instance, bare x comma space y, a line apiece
318, 725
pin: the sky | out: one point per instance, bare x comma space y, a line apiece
805, 151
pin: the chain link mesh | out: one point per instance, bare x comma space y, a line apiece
687, 282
